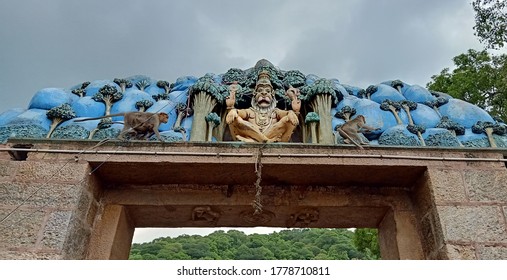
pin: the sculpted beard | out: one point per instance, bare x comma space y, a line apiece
263, 103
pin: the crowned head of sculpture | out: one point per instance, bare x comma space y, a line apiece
264, 97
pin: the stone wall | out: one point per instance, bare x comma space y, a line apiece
53, 204
427, 203
463, 211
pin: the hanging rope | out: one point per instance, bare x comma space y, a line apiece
257, 205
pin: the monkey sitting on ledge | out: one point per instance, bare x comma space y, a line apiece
138, 123
351, 129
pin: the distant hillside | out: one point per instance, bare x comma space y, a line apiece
294, 244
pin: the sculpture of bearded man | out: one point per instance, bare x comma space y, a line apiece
263, 122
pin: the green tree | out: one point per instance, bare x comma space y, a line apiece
135, 257
279, 247
259, 253
256, 240
327, 239
197, 249
173, 251
238, 237
149, 256
299, 251
294, 244
323, 256
151, 248
491, 22
479, 78
339, 252
366, 241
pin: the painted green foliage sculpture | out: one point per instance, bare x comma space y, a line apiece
213, 121
393, 107
489, 128
345, 113
81, 92
205, 95
143, 105
123, 84
59, 114
198, 107
142, 84
321, 95
313, 119
108, 94
165, 85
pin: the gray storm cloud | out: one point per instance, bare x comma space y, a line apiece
58, 43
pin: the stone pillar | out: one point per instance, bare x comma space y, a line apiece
47, 205
387, 238
112, 235
399, 238
463, 212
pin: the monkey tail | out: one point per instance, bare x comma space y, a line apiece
98, 118
350, 138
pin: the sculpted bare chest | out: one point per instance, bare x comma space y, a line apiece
263, 120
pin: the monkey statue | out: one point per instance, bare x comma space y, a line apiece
351, 129
141, 123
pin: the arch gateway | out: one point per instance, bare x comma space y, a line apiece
254, 147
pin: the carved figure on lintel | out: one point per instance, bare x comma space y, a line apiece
263, 122
205, 213
303, 218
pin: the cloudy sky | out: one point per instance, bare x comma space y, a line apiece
61, 43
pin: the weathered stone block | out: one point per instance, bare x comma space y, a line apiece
92, 212
486, 185
76, 245
64, 171
447, 185
422, 196
39, 194
7, 168
21, 229
56, 230
428, 237
493, 252
472, 223
441, 254
20, 255
460, 252
4, 155
408, 239
83, 205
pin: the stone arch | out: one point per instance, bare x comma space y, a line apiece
426, 203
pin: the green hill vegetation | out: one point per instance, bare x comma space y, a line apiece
294, 244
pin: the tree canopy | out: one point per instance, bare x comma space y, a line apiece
491, 22
479, 78
294, 244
